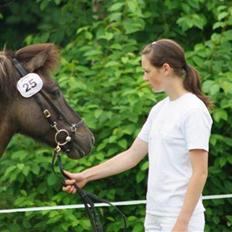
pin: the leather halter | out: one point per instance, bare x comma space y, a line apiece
48, 115
88, 198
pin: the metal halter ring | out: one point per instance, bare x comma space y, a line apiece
67, 137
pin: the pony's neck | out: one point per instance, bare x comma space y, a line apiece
6, 133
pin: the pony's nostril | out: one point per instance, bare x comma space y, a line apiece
82, 153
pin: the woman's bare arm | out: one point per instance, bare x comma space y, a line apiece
119, 163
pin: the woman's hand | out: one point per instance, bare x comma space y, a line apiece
74, 178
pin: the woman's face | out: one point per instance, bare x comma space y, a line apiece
154, 76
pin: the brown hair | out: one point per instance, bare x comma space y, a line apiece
169, 51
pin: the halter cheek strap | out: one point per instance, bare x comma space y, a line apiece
21, 70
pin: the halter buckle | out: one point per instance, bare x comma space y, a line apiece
47, 113
57, 149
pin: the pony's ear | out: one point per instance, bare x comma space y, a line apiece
43, 57
37, 61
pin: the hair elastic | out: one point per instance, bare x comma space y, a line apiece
185, 67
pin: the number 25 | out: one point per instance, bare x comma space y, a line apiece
30, 85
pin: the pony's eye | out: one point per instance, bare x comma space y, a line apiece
56, 93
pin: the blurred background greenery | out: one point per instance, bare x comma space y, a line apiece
100, 74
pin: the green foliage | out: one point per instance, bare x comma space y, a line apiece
101, 78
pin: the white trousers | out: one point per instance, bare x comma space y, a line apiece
154, 223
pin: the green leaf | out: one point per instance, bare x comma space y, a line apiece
123, 143
57, 2
218, 25
85, 224
138, 227
115, 16
132, 26
220, 115
140, 177
97, 113
52, 180
116, 6
190, 21
145, 166
222, 15
107, 36
20, 166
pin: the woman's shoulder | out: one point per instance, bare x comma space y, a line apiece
193, 102
194, 106
159, 104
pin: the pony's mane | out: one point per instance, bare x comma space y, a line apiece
8, 74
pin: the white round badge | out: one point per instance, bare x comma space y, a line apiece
29, 85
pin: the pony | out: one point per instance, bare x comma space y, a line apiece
24, 115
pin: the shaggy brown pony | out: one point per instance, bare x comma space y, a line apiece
23, 115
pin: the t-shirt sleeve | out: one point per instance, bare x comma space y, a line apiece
145, 131
197, 128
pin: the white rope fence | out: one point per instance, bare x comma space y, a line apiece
119, 203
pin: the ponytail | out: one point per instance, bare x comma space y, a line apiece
192, 84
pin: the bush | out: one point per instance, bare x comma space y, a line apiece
101, 77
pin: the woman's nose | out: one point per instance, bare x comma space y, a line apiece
145, 77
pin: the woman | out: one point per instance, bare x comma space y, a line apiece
175, 136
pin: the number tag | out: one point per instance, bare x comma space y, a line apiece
29, 85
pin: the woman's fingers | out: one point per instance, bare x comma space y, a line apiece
69, 189
66, 188
75, 180
72, 189
69, 182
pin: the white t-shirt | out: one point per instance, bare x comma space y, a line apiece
171, 130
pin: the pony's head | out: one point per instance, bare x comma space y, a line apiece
26, 115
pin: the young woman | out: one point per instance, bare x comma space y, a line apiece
175, 136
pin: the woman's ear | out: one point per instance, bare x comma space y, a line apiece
166, 68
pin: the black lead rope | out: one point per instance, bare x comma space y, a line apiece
88, 198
